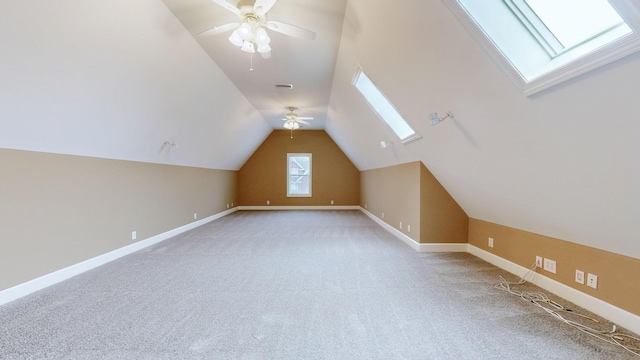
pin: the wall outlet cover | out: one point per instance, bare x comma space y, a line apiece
592, 281
549, 265
539, 262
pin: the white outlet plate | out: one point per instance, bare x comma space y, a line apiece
580, 276
490, 242
549, 265
268, 202
227, 206
195, 216
134, 235
539, 262
383, 215
400, 225
331, 202
408, 228
592, 281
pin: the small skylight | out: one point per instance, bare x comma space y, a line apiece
540, 43
384, 108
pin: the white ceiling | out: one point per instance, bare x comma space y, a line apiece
306, 64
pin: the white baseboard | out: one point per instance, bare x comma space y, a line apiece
328, 207
420, 247
610, 312
55, 277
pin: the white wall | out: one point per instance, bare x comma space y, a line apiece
563, 163
115, 79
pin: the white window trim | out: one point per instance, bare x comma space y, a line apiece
627, 45
289, 155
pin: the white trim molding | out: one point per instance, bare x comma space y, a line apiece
24, 289
610, 312
322, 207
420, 247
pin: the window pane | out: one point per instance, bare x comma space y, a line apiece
575, 21
383, 107
299, 174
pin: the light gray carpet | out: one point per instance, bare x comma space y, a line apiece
288, 285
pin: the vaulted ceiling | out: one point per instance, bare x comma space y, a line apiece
116, 79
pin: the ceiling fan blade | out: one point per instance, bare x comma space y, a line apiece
303, 122
266, 55
304, 118
291, 30
219, 29
228, 6
262, 6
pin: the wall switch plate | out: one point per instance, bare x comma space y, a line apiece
549, 265
592, 281
490, 242
539, 262
580, 277
134, 235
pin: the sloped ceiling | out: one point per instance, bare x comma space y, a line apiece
563, 163
116, 79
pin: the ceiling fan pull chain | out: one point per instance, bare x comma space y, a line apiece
251, 68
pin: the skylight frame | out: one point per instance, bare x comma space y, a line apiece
384, 109
629, 10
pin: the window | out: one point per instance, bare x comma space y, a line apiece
384, 108
299, 175
541, 43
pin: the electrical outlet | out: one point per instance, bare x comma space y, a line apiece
549, 265
268, 202
592, 281
231, 204
408, 228
365, 206
580, 276
490, 242
539, 261
195, 216
331, 202
134, 235
400, 225
227, 205
383, 215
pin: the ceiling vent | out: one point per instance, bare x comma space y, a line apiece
284, 86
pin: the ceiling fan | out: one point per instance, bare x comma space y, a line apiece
292, 121
249, 32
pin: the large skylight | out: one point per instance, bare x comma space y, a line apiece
540, 43
575, 21
384, 108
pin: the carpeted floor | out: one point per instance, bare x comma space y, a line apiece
288, 285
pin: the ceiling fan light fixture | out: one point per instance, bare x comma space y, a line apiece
236, 39
245, 32
291, 125
264, 48
247, 46
262, 38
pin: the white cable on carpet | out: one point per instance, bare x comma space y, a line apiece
627, 342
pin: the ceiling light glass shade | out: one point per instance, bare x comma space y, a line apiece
264, 48
247, 46
245, 31
261, 37
291, 125
235, 38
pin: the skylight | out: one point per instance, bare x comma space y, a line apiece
540, 43
384, 108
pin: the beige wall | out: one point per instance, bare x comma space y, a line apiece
59, 210
394, 191
410, 194
617, 274
442, 220
264, 176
